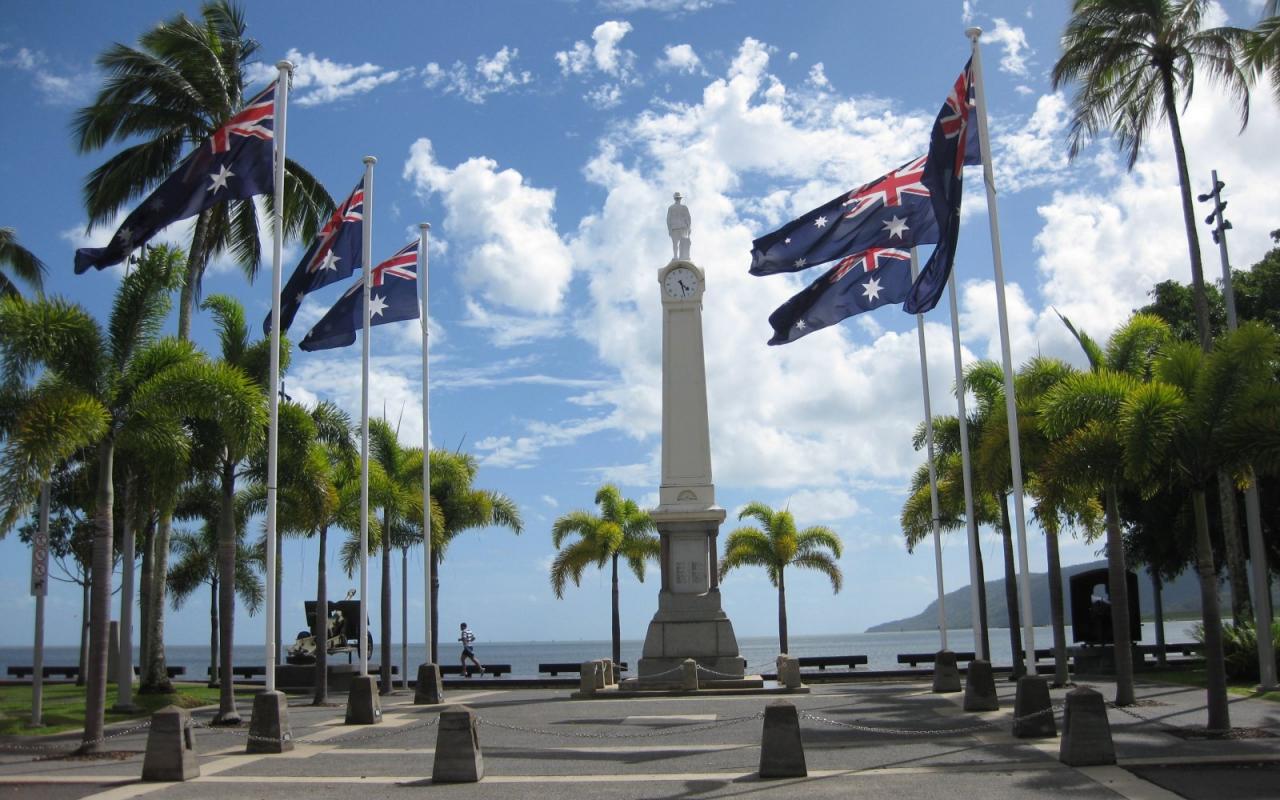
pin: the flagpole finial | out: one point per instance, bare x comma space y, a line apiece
973, 33
284, 65
426, 226
370, 160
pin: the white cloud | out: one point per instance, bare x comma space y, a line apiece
550, 501
55, 89
508, 330
680, 58
662, 6
318, 80
1014, 41
605, 57
792, 56
818, 76
822, 506
500, 228
1033, 154
490, 75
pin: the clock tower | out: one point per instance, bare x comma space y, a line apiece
690, 622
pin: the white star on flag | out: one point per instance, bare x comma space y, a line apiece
820, 222
896, 227
800, 325
330, 262
800, 262
376, 306
872, 289
220, 179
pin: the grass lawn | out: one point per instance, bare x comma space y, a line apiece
1196, 677
64, 705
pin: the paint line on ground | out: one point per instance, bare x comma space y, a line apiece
1126, 784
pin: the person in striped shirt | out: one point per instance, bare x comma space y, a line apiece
468, 638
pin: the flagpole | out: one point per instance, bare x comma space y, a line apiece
367, 260
1010, 400
424, 232
975, 579
273, 390
933, 470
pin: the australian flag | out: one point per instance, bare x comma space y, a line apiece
949, 144
393, 296
870, 279
333, 256
235, 163
891, 211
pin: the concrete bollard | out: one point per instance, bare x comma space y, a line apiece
1086, 731
458, 758
1032, 709
269, 725
781, 751
598, 674
946, 674
980, 687
587, 677
363, 705
689, 675
789, 672
610, 676
430, 688
171, 747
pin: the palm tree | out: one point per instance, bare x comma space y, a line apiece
1081, 417
183, 80
94, 377
402, 467
196, 565
1262, 48
1186, 426
1133, 61
776, 545
21, 262
463, 508
620, 530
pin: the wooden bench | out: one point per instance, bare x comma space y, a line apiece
248, 673
822, 662
496, 670
915, 659
556, 667
27, 672
1181, 648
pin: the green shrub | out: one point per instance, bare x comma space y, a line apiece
1240, 648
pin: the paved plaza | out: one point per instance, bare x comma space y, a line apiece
861, 739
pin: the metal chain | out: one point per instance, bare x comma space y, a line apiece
377, 732
70, 747
710, 671
1168, 725
642, 735
982, 726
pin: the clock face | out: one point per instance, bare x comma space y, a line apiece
680, 283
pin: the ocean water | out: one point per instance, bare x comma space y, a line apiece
881, 650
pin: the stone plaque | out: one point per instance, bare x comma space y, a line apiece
689, 561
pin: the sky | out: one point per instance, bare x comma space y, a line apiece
543, 143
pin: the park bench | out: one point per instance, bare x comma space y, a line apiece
1181, 648
822, 662
74, 672
248, 673
496, 670
1042, 654
556, 667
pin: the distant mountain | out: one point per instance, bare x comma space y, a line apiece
1181, 599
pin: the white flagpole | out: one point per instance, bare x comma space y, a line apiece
1010, 401
273, 390
367, 258
1252, 505
971, 522
424, 231
933, 470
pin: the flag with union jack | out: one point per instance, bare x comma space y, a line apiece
333, 255
875, 277
235, 163
949, 150
393, 296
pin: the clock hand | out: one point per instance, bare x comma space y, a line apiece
682, 286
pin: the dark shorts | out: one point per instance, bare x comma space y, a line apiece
467, 653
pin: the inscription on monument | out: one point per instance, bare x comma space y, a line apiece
689, 565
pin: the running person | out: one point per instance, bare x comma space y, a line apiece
467, 638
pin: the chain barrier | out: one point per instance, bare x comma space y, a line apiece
982, 726
723, 723
710, 671
70, 747
376, 732
1168, 726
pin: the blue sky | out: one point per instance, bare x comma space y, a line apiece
543, 142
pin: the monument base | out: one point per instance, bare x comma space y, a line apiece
690, 626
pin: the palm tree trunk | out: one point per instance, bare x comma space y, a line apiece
155, 676
1118, 585
84, 632
213, 633
616, 629
196, 260
1198, 295
145, 590
320, 627
1056, 611
100, 602
435, 607
1241, 605
782, 613
124, 656
1011, 591
1211, 615
385, 655
1157, 594
227, 714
